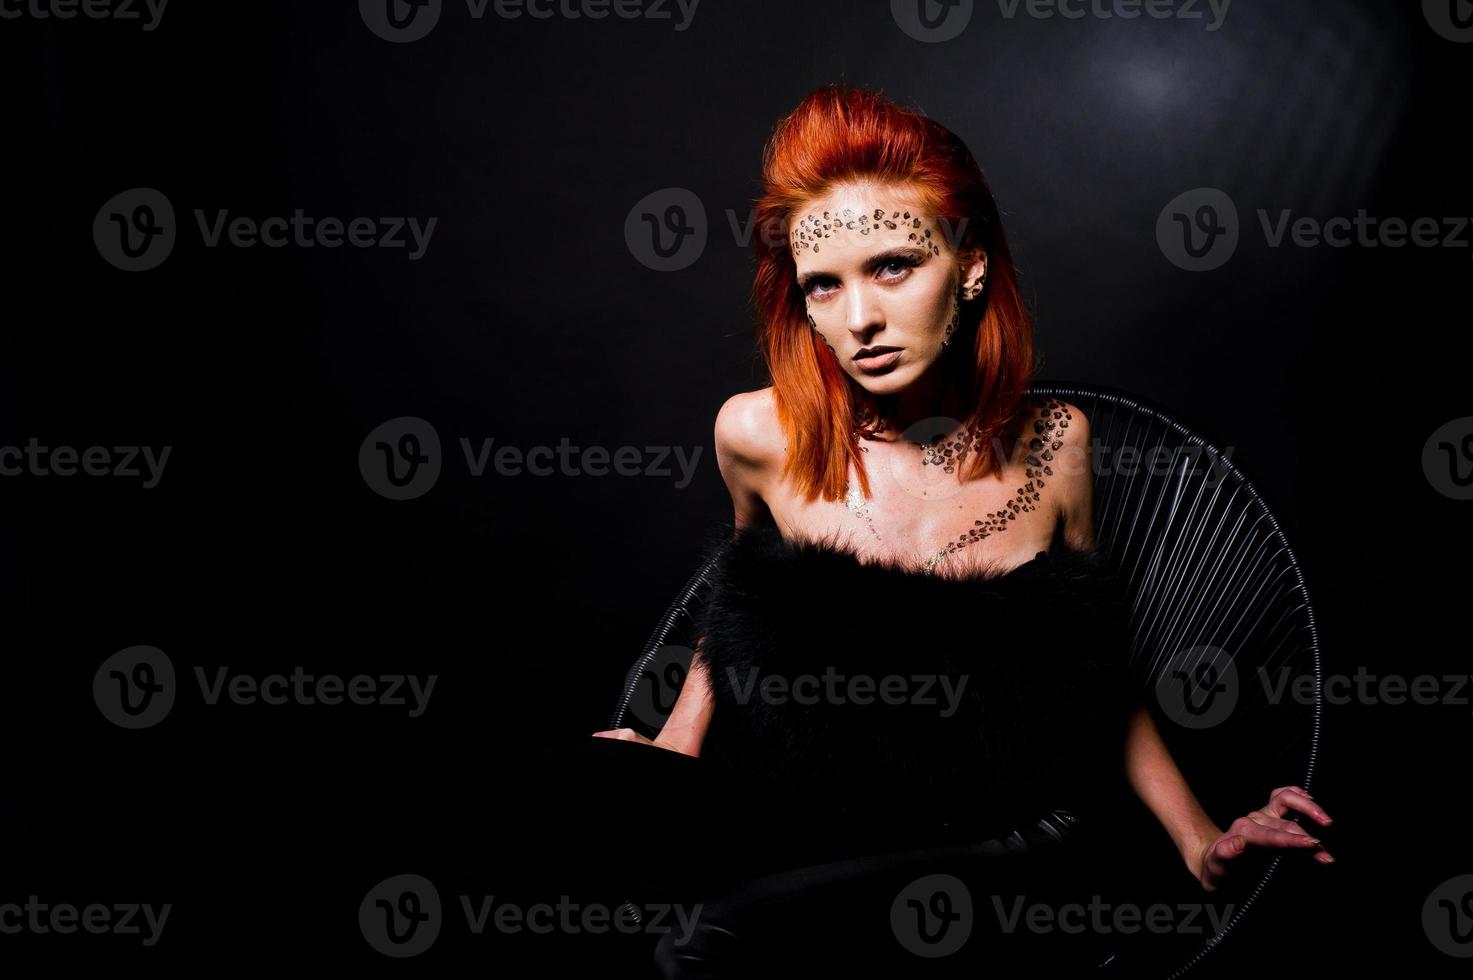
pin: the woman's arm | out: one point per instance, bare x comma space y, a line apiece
743, 457
1155, 778
1151, 772
685, 729
1207, 850
1153, 775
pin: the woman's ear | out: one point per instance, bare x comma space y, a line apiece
974, 272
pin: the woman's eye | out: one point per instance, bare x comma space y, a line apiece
891, 271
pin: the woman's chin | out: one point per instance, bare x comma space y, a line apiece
890, 382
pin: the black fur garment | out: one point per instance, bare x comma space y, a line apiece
1036, 659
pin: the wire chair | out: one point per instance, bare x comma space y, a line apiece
1223, 629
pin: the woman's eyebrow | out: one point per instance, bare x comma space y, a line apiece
872, 263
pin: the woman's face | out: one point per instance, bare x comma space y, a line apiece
879, 277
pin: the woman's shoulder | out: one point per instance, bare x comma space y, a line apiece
1056, 454
747, 430
749, 449
1042, 426
1053, 413
747, 424
747, 420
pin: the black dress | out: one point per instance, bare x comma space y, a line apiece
890, 723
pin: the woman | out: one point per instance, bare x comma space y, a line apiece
901, 508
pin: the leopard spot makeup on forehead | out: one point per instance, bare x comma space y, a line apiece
814, 228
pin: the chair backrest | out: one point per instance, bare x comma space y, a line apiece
1225, 643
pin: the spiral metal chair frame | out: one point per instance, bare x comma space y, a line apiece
1207, 565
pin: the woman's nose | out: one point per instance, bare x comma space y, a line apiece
861, 310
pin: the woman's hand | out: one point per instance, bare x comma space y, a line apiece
630, 735
1264, 828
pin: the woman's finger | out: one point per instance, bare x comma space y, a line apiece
1296, 789
1277, 823
1265, 836
1259, 831
626, 734
1287, 798
1221, 853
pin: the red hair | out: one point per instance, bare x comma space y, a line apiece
840, 134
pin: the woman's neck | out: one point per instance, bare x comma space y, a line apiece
940, 406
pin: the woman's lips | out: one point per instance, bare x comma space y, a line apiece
875, 363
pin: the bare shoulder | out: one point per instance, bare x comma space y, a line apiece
1057, 432
749, 450
1065, 421
747, 431
1063, 447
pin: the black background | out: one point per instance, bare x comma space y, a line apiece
528, 320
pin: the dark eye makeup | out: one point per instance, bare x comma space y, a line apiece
903, 259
